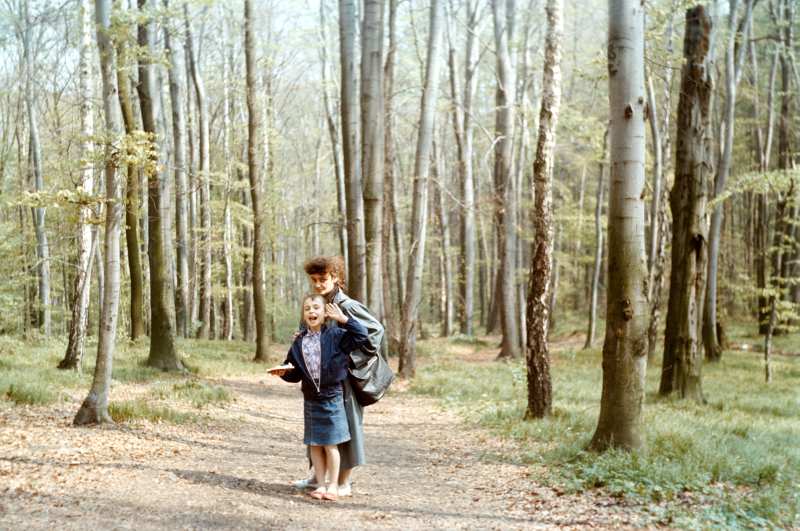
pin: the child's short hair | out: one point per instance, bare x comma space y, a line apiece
323, 265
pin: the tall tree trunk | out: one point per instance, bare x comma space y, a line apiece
419, 205
598, 248
681, 370
163, 354
448, 305
540, 388
254, 144
356, 244
80, 299
503, 14
94, 408
227, 234
733, 71
625, 345
333, 132
37, 177
391, 291
131, 204
204, 177
177, 100
372, 136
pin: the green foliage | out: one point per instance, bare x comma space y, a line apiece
732, 463
28, 393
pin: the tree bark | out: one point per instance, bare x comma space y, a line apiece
204, 177
540, 387
82, 286
733, 70
372, 136
94, 408
624, 348
36, 172
254, 144
356, 244
419, 206
177, 100
503, 14
163, 354
682, 367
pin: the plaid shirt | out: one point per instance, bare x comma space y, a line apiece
312, 354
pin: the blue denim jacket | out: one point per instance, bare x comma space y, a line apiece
336, 342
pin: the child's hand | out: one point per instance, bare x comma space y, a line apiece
280, 370
334, 312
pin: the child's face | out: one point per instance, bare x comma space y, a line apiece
313, 313
323, 283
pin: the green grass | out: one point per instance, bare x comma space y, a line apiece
736, 458
131, 410
28, 375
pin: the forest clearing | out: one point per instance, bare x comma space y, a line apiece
220, 448
533, 264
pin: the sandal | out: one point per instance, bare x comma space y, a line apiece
330, 496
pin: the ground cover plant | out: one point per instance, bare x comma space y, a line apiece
734, 461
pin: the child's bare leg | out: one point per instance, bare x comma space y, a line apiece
332, 460
318, 459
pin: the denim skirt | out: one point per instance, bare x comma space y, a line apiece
325, 421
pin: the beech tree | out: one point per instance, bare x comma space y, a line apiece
625, 345
94, 408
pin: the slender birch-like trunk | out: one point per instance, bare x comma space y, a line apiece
80, 299
540, 388
419, 205
625, 345
734, 58
177, 100
598, 249
204, 177
94, 408
254, 145
681, 370
227, 231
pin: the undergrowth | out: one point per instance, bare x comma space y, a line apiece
733, 462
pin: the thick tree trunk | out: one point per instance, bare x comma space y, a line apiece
80, 296
540, 388
176, 84
683, 360
503, 14
163, 353
204, 177
372, 135
734, 58
254, 145
625, 345
419, 206
356, 244
94, 408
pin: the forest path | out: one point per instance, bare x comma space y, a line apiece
426, 470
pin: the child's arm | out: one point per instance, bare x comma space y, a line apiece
355, 334
291, 375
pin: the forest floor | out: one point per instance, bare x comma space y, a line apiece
233, 468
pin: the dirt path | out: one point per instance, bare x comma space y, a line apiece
426, 471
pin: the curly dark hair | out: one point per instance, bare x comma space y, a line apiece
322, 265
